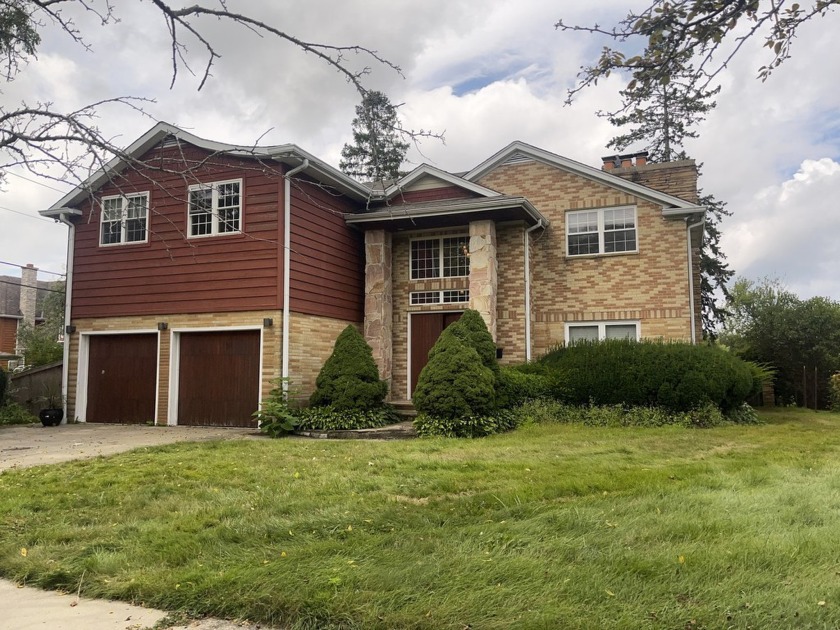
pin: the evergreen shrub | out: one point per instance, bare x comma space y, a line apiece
674, 376
455, 382
4, 381
834, 392
515, 386
349, 378
472, 329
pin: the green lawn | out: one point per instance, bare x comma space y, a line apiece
551, 526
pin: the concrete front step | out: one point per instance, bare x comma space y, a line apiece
404, 408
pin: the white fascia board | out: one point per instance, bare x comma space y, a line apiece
577, 168
162, 129
425, 169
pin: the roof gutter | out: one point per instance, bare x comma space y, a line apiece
528, 231
691, 304
287, 250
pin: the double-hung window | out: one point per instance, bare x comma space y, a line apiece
599, 331
602, 231
445, 257
124, 219
215, 208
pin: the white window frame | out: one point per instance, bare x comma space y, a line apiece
440, 240
439, 297
123, 219
602, 231
602, 327
214, 209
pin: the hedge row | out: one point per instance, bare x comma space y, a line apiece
671, 375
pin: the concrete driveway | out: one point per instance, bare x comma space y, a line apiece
31, 445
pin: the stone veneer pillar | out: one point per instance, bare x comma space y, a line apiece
379, 304
484, 271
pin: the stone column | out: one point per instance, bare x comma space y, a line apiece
379, 305
484, 271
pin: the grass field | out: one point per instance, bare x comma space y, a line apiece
551, 526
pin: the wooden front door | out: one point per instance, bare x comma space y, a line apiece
219, 378
122, 375
425, 329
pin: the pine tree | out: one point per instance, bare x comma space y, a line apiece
377, 151
662, 116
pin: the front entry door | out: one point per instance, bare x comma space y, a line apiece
425, 330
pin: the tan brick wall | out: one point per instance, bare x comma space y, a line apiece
651, 285
510, 322
271, 345
311, 341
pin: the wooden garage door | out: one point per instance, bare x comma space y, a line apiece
122, 371
219, 378
425, 329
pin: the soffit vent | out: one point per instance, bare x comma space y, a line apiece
517, 158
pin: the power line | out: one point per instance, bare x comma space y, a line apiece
35, 181
24, 214
53, 273
29, 286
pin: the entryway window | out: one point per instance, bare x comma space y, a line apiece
445, 257
598, 331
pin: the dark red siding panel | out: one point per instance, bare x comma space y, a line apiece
432, 194
175, 274
327, 257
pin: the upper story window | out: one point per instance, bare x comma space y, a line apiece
215, 208
599, 331
124, 219
444, 257
603, 231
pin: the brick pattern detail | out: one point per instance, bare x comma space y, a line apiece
28, 294
378, 299
675, 178
483, 271
510, 295
311, 340
651, 285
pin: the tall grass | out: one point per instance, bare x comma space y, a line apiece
550, 526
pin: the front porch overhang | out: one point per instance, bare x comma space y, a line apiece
440, 214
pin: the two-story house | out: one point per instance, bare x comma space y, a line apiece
200, 272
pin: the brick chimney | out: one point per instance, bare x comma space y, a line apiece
29, 293
674, 178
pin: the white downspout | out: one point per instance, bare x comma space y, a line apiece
287, 250
528, 288
68, 292
689, 227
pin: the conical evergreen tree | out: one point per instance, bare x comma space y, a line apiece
377, 151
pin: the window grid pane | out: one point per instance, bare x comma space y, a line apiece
228, 207
620, 331
425, 297
425, 259
111, 232
456, 258
583, 333
201, 214
617, 231
452, 297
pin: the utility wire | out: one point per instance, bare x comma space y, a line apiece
53, 273
35, 181
29, 286
24, 214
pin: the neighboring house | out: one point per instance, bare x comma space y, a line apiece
200, 272
21, 300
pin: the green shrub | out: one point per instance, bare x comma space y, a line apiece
275, 415
834, 392
472, 330
465, 426
454, 384
4, 382
515, 386
349, 378
332, 419
676, 376
13, 413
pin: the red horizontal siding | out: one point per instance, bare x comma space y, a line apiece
432, 194
172, 273
327, 257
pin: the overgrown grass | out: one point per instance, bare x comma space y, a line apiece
551, 526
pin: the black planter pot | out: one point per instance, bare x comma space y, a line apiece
51, 417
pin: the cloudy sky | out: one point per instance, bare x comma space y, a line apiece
484, 74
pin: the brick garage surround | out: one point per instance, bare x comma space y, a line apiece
650, 286
311, 341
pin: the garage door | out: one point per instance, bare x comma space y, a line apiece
122, 371
219, 378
